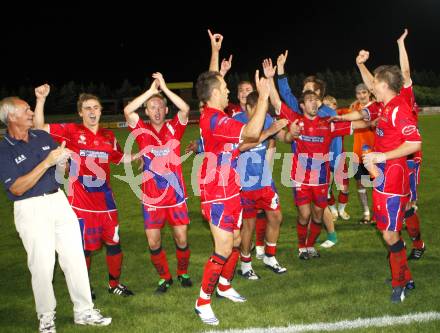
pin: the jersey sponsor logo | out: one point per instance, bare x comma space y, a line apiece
20, 159
160, 152
409, 129
93, 154
45, 148
311, 138
379, 131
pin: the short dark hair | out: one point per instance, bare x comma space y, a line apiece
206, 83
85, 97
307, 93
390, 74
318, 84
252, 99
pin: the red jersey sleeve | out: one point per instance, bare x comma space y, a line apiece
116, 154
177, 127
341, 128
287, 113
226, 129
372, 111
59, 132
405, 123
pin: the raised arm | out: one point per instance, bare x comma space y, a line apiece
276, 127
269, 73
216, 45
283, 84
41, 93
177, 100
404, 61
130, 109
367, 77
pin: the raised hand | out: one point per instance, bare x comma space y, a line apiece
216, 40
282, 58
154, 88
268, 69
262, 84
160, 80
403, 36
362, 57
226, 65
42, 91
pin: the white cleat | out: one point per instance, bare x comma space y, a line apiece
344, 215
206, 314
92, 317
272, 263
231, 294
328, 244
259, 251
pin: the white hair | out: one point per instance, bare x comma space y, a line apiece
7, 106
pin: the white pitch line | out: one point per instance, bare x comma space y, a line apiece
342, 325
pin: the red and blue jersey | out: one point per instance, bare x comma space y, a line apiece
89, 175
310, 164
396, 125
252, 164
220, 134
162, 180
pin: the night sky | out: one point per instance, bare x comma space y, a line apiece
82, 43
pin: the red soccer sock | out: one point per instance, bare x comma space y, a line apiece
244, 258
270, 250
114, 264
182, 256
260, 229
400, 273
331, 199
159, 260
228, 270
343, 197
413, 227
211, 274
315, 230
301, 231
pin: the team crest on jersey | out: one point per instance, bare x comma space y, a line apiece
379, 131
82, 139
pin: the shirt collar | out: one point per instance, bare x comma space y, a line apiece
12, 141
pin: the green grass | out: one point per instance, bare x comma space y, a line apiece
346, 283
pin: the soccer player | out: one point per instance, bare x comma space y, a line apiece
310, 167
397, 137
362, 137
89, 193
220, 185
164, 193
258, 188
244, 88
314, 84
414, 160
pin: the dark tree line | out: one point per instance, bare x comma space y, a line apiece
63, 98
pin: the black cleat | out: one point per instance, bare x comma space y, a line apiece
121, 290
416, 254
163, 286
303, 255
185, 280
398, 295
